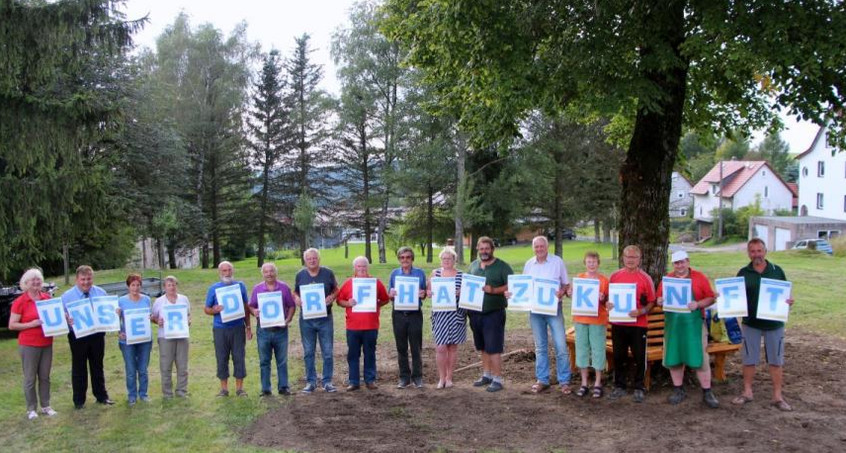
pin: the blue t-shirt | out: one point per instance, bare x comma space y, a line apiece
75, 294
415, 272
124, 303
211, 301
324, 276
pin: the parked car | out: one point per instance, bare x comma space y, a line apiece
8, 294
566, 234
814, 244
151, 286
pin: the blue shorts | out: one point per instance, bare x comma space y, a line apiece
488, 331
773, 345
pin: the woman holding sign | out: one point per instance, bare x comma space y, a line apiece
685, 332
362, 296
590, 330
172, 350
36, 349
448, 327
136, 356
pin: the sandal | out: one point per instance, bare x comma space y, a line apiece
565, 389
741, 400
597, 392
582, 391
539, 387
782, 405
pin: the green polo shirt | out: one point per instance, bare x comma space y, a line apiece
753, 287
496, 274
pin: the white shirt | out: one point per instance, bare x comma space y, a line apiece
552, 268
157, 307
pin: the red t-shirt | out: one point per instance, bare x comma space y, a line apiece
363, 321
34, 336
698, 282
645, 292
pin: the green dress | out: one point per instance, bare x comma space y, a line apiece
683, 339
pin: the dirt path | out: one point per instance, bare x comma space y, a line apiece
468, 419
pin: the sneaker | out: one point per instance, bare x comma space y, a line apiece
352, 387
106, 402
284, 391
223, 393
48, 411
131, 403
329, 388
418, 383
710, 399
403, 384
482, 382
145, 399
372, 386
31, 415
494, 387
241, 392
677, 396
617, 393
308, 389
639, 396
266, 393
79, 407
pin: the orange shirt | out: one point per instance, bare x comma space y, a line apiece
602, 319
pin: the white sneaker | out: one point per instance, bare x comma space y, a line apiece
48, 411
32, 415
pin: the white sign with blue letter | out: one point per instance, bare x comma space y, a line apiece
136, 322
521, 289
51, 312
175, 320
364, 293
731, 302
232, 301
471, 297
624, 298
443, 294
105, 313
678, 292
408, 293
545, 300
82, 315
271, 311
313, 300
585, 297
772, 300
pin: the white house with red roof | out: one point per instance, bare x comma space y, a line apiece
742, 184
822, 180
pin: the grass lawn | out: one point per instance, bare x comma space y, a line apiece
204, 423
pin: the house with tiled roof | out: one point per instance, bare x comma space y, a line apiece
822, 180
680, 199
739, 183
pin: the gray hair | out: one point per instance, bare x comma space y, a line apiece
448, 251
28, 276
361, 258
405, 249
312, 250
171, 279
271, 265
540, 239
225, 263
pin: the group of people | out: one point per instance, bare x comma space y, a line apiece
685, 343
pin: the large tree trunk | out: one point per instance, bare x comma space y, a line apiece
459, 202
559, 204
368, 228
262, 226
646, 173
213, 208
171, 257
596, 231
606, 232
430, 222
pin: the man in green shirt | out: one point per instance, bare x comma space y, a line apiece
488, 326
754, 329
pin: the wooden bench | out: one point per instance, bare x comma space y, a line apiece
655, 348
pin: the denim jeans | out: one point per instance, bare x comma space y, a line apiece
562, 356
136, 357
273, 341
356, 341
312, 331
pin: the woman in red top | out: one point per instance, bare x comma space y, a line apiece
36, 349
362, 327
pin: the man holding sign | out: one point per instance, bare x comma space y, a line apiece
685, 333
86, 352
755, 329
316, 329
631, 335
551, 267
407, 317
272, 339
488, 326
229, 336
362, 326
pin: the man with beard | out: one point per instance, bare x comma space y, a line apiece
755, 330
229, 337
488, 326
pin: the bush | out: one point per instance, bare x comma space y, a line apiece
839, 245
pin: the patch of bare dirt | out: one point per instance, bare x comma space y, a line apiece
465, 418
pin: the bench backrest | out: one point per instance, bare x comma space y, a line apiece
654, 329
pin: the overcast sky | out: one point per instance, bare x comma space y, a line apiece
275, 23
